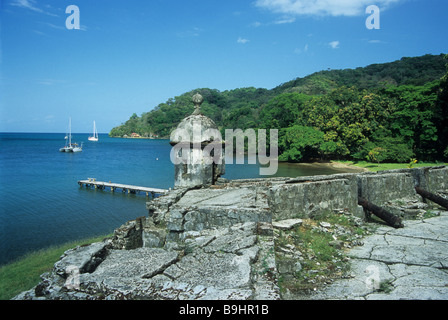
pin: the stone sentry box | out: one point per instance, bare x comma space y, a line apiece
198, 153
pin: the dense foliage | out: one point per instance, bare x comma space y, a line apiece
391, 112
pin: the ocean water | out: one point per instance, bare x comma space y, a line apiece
42, 205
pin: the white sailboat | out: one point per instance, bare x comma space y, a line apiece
70, 146
95, 133
76, 148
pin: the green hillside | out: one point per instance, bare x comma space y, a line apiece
407, 71
389, 112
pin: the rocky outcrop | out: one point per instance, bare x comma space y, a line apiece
212, 264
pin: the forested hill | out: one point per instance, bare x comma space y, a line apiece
383, 112
407, 71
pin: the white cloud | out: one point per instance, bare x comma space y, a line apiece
40, 33
285, 20
242, 40
299, 51
282, 20
322, 7
54, 26
50, 118
193, 32
30, 5
50, 82
334, 44
27, 4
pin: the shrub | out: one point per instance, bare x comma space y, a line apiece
389, 149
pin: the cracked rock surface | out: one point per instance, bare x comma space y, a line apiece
213, 264
394, 264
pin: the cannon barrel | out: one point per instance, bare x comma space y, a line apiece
391, 219
432, 197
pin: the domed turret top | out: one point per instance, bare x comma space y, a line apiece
194, 127
197, 100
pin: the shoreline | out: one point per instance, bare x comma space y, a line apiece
348, 166
146, 138
364, 166
328, 165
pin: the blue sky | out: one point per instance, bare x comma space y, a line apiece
129, 56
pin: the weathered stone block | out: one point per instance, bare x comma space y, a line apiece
313, 196
437, 180
287, 224
154, 238
83, 258
379, 188
175, 220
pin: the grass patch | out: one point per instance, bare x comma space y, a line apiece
429, 214
389, 166
386, 287
321, 251
24, 273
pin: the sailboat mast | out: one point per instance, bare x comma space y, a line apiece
70, 132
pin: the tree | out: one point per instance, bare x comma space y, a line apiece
283, 110
348, 117
300, 143
384, 147
415, 116
375, 154
441, 116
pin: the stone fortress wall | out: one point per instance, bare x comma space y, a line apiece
272, 199
306, 196
218, 242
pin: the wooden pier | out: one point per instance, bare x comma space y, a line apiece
91, 182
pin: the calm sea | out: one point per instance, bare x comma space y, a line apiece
42, 205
